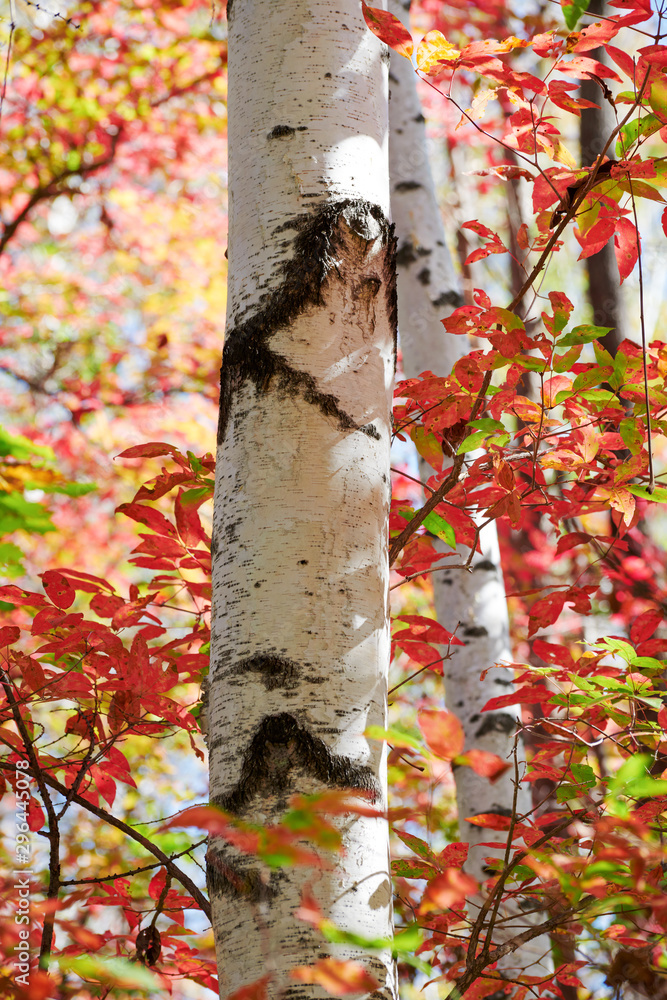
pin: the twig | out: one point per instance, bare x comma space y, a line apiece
125, 828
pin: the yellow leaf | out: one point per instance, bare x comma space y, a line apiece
563, 155
433, 49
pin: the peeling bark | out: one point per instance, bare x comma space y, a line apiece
300, 638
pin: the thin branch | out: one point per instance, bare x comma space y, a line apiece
54, 830
129, 831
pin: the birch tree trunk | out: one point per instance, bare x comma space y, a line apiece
300, 638
427, 292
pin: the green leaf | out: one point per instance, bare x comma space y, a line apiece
632, 432
659, 493
471, 442
68, 489
397, 736
487, 424
411, 868
583, 334
633, 130
416, 844
22, 448
17, 513
111, 971
438, 526
594, 376
584, 774
572, 12
11, 560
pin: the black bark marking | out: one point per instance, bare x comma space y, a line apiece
496, 722
275, 671
226, 877
419, 119
407, 186
487, 565
281, 746
281, 132
317, 250
371, 431
454, 299
406, 255
424, 276
475, 631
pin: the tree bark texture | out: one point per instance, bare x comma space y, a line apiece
300, 636
604, 287
473, 600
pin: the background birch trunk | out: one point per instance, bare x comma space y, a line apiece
474, 600
300, 639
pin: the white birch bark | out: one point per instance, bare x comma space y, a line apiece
300, 640
474, 600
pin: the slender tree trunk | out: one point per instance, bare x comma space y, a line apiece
427, 292
300, 639
604, 290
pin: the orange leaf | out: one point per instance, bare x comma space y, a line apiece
486, 764
336, 976
447, 890
443, 733
253, 991
388, 29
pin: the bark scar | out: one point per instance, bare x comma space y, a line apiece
280, 747
319, 244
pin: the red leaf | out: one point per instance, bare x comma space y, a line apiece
484, 763
338, 976
151, 450
622, 60
454, 855
153, 519
16, 595
626, 247
389, 30
447, 890
106, 605
644, 626
594, 35
423, 629
545, 611
584, 68
36, 817
490, 821
443, 733
157, 883
595, 238
189, 526
528, 695
664, 222
58, 589
9, 634
31, 671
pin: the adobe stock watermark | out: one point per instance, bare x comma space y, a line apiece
23, 872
